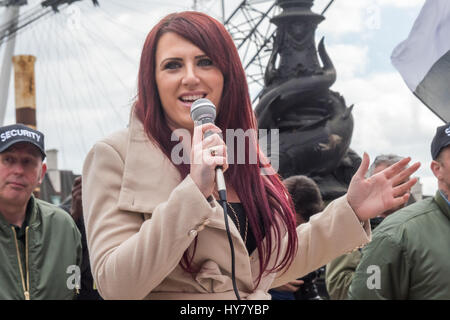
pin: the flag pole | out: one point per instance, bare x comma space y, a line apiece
326, 8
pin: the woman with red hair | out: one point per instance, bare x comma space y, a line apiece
154, 227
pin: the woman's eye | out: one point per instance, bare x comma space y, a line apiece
172, 65
205, 62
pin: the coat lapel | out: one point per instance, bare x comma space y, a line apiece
148, 176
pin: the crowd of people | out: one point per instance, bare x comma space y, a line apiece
141, 225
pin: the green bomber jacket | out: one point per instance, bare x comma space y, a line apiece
409, 255
47, 265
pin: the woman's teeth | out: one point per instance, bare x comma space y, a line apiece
190, 98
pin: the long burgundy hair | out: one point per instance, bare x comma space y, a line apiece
264, 198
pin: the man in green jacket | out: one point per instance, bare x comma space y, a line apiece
340, 271
409, 256
40, 246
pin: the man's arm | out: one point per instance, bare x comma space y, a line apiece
383, 272
339, 274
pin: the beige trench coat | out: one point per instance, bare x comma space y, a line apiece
140, 218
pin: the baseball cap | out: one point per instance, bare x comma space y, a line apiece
440, 140
15, 133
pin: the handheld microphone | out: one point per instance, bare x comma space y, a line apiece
203, 111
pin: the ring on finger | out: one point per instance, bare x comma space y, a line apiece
213, 152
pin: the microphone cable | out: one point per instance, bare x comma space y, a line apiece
223, 203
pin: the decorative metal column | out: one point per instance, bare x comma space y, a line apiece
315, 126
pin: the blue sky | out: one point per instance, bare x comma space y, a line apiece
87, 64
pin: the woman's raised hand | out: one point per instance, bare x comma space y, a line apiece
206, 155
388, 189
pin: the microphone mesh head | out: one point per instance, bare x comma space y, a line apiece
203, 108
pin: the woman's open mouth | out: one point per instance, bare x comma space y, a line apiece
188, 100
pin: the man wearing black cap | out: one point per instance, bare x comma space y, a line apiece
40, 249
409, 255
440, 152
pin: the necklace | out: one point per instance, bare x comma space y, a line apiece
238, 224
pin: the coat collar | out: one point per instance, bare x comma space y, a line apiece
442, 204
31, 215
148, 175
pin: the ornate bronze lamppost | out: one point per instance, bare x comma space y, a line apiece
315, 125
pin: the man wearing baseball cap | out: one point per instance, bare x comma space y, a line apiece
40, 242
409, 256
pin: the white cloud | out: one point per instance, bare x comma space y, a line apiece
343, 17
389, 119
429, 184
350, 17
349, 60
401, 3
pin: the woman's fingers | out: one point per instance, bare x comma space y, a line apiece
363, 167
391, 171
404, 188
400, 201
215, 156
297, 282
200, 130
213, 140
405, 174
215, 151
210, 149
199, 142
208, 152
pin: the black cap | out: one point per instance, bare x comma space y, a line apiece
440, 140
16, 133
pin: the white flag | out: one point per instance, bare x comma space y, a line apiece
423, 59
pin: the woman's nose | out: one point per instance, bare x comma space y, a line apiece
190, 77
